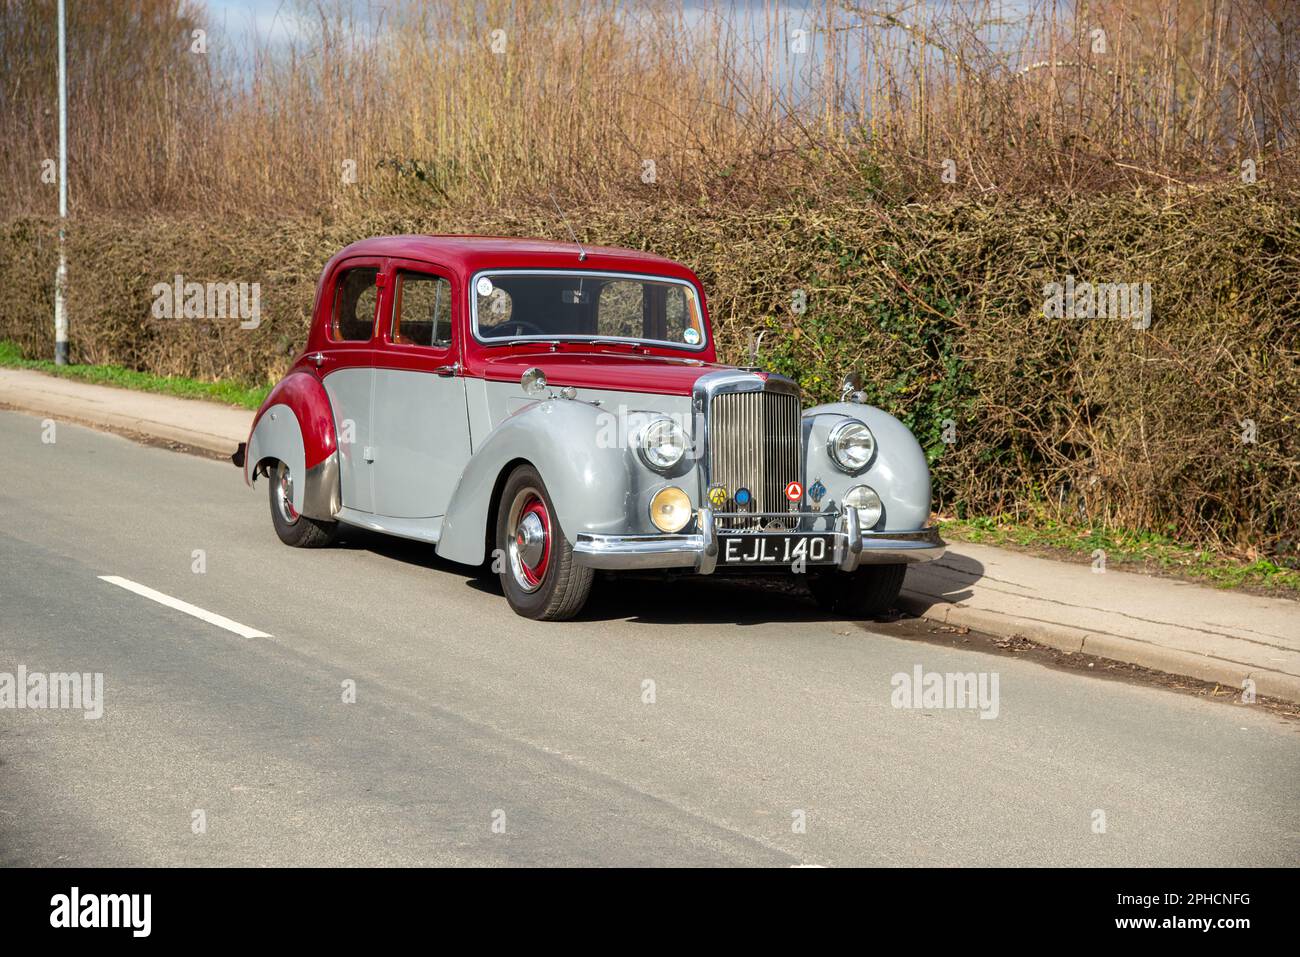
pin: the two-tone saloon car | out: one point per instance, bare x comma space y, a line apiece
555, 410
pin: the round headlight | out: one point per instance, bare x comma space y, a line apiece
661, 444
851, 445
670, 509
868, 505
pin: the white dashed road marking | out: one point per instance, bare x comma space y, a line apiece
213, 619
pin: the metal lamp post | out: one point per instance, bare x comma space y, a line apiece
61, 278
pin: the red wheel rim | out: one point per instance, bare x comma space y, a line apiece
535, 572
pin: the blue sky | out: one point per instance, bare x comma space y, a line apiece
279, 19
246, 19
246, 24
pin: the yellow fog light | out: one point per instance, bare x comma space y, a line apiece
670, 509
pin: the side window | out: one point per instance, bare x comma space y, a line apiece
422, 310
355, 298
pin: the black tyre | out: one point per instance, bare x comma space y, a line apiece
870, 591
294, 529
534, 559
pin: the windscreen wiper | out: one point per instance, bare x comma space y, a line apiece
631, 346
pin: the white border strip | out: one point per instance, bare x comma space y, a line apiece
212, 619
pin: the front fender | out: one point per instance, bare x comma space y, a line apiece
295, 425
596, 486
898, 471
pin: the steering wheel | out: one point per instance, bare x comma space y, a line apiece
519, 325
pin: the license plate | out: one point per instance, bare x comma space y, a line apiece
776, 549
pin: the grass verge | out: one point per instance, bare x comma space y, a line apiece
1143, 551
232, 393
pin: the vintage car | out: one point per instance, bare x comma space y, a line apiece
554, 410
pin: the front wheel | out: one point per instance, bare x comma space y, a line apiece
864, 593
294, 528
538, 573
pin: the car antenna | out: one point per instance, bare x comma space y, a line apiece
582, 253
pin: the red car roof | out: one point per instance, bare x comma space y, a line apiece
469, 254
659, 367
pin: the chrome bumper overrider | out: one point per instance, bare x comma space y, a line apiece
699, 550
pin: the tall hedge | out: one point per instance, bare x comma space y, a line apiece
1188, 427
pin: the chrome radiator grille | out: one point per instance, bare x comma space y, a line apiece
755, 443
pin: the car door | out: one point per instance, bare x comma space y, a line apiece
419, 418
347, 369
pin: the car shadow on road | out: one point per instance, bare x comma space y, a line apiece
706, 600
758, 600
662, 600
398, 549
681, 599
949, 579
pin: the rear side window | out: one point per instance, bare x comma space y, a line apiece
355, 298
422, 310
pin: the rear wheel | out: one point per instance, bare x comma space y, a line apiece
539, 576
865, 593
293, 528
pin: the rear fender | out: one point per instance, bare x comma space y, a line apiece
295, 425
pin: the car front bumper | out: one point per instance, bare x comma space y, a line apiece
699, 550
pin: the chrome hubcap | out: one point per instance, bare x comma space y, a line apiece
530, 539
529, 547
284, 494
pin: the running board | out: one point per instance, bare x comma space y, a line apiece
417, 529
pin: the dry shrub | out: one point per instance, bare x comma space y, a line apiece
728, 101
776, 169
940, 305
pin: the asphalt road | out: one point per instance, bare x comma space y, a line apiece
468, 717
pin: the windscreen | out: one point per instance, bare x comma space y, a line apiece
556, 305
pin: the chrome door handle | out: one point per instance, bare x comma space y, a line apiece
318, 358
449, 370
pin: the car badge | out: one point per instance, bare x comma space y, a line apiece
794, 491
742, 498
717, 495
816, 492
